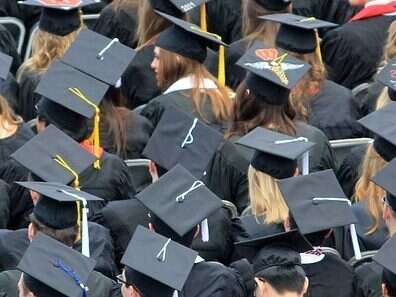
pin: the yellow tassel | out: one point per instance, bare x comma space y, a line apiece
203, 23
221, 75
318, 51
95, 137
58, 159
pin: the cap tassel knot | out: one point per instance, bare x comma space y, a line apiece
70, 272
189, 137
161, 256
194, 186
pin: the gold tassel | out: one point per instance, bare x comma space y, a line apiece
95, 137
202, 13
318, 51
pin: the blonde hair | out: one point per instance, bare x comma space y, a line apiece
45, 48
8, 119
383, 99
309, 86
254, 28
366, 190
265, 198
172, 67
390, 46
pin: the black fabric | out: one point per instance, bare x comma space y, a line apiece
28, 99
4, 204
234, 73
13, 245
8, 45
267, 91
118, 23
275, 166
274, 4
330, 277
9, 89
59, 22
296, 40
333, 121
368, 279
384, 148
351, 58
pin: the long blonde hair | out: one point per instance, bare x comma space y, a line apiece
254, 28
366, 190
309, 86
45, 48
173, 67
266, 199
8, 119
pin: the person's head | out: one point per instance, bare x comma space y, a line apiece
170, 67
368, 191
265, 197
251, 111
8, 118
279, 273
389, 213
388, 283
31, 287
253, 28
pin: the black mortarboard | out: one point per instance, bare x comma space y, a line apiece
179, 200
276, 153
386, 257
386, 180
59, 17
44, 154
274, 5
57, 206
272, 73
5, 66
382, 123
297, 33
317, 202
387, 77
186, 39
158, 258
99, 56
182, 139
176, 8
63, 84
47, 263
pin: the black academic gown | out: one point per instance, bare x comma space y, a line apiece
9, 89
368, 280
331, 277
8, 46
122, 218
13, 245
111, 182
27, 98
120, 23
10, 144
335, 113
98, 284
138, 131
4, 204
351, 57
234, 73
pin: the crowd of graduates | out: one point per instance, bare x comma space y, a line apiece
166, 148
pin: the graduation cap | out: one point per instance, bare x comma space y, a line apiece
272, 73
5, 66
190, 41
176, 8
386, 257
77, 92
59, 17
386, 180
50, 265
387, 77
54, 157
158, 258
275, 5
317, 203
182, 139
180, 201
297, 33
59, 206
276, 153
382, 123
99, 56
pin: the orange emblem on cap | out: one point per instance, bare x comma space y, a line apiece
267, 54
69, 3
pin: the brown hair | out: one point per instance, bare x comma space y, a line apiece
250, 112
67, 236
254, 28
266, 199
309, 86
366, 190
45, 48
8, 118
173, 67
390, 46
119, 4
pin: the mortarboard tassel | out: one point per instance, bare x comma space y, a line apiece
95, 137
318, 51
205, 230
70, 272
202, 13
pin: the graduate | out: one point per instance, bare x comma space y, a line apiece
9, 87
262, 100
350, 65
8, 46
253, 29
316, 99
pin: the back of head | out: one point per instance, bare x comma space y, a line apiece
389, 280
38, 288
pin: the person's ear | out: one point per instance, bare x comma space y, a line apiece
306, 285
151, 227
197, 231
386, 213
286, 224
34, 196
297, 172
40, 125
31, 232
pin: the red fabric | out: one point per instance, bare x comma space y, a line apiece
86, 144
373, 11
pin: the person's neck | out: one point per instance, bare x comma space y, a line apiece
392, 228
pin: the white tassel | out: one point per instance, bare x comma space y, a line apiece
305, 163
85, 233
205, 230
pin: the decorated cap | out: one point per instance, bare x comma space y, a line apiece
276, 154
386, 257
297, 33
49, 266
387, 77
176, 8
272, 73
